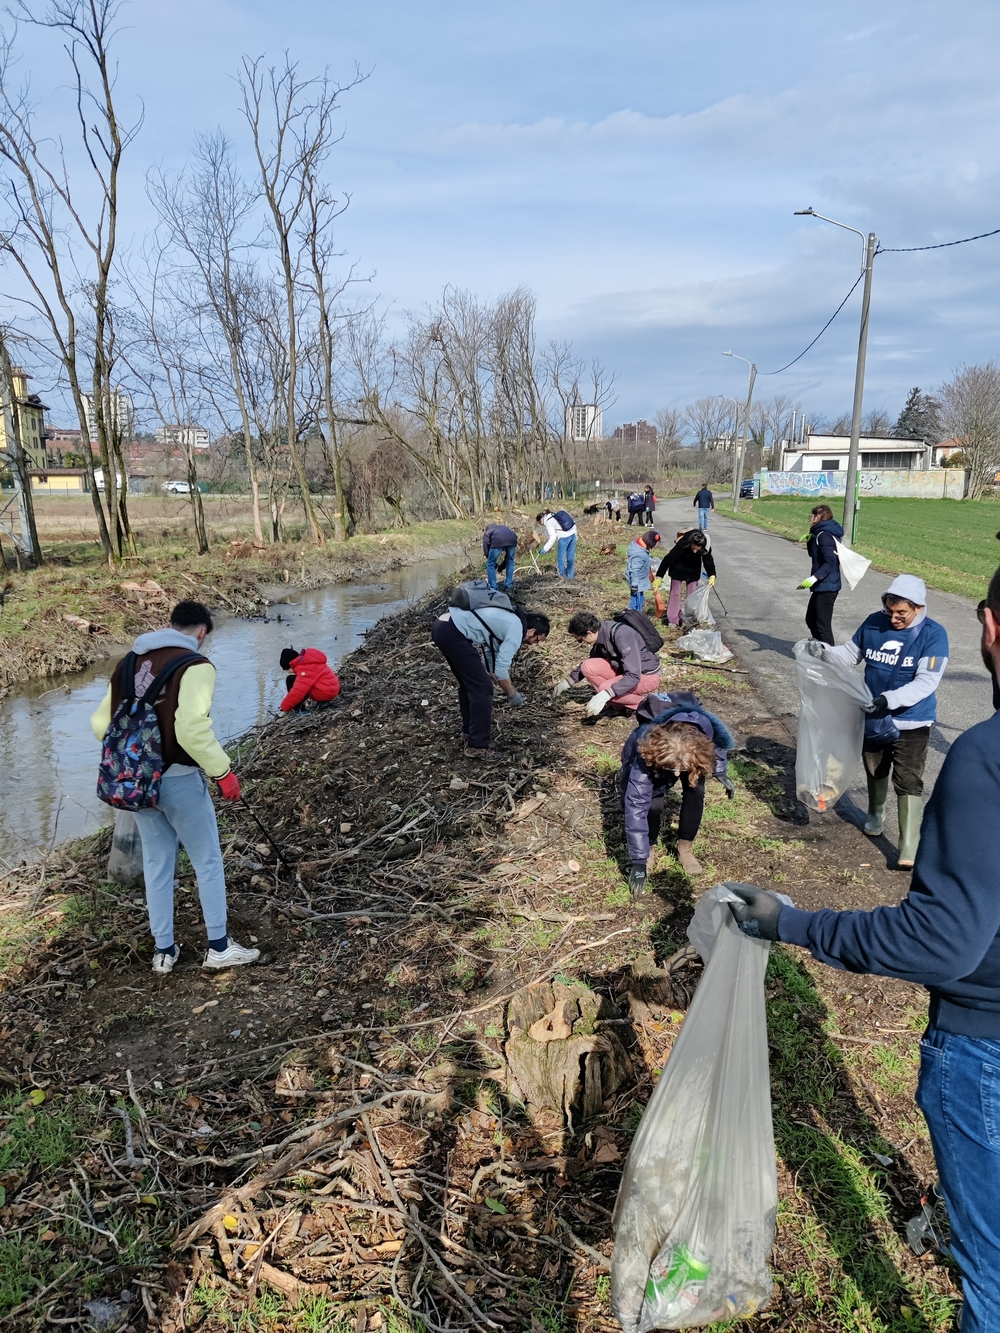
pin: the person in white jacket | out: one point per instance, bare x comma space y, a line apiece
561, 532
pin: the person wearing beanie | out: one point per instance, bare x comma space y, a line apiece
639, 568
311, 678
905, 654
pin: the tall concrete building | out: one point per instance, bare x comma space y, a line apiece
190, 436
584, 423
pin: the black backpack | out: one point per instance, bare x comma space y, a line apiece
565, 521
638, 620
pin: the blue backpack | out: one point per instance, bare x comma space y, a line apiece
565, 521
131, 766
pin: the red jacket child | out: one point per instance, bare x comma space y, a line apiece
313, 678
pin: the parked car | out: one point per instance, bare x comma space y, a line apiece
177, 487
747, 489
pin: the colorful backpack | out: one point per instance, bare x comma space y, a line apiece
132, 760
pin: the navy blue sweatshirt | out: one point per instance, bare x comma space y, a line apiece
823, 552
945, 934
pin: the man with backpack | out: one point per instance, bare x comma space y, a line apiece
478, 636
622, 667
166, 670
560, 528
499, 540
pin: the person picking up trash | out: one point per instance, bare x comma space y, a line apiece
311, 677
905, 654
639, 568
561, 532
675, 738
622, 667
824, 580
500, 541
944, 935
166, 669
683, 565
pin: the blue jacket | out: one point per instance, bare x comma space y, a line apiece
825, 561
638, 563
945, 934
923, 648
639, 782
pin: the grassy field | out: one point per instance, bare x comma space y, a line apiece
950, 544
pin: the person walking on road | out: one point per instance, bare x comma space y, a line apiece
621, 668
499, 540
704, 502
824, 580
185, 813
944, 935
690, 556
496, 633
649, 501
561, 531
905, 654
639, 568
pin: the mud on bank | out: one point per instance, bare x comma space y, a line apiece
323, 1141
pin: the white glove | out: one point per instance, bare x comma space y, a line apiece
560, 687
596, 704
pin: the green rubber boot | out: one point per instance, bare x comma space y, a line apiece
911, 811
878, 790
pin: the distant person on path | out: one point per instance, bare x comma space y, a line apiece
561, 531
479, 646
621, 668
690, 556
636, 508
649, 501
704, 501
905, 654
944, 935
824, 580
311, 677
639, 568
499, 540
185, 813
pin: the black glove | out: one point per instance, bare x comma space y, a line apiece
879, 707
759, 918
637, 881
727, 782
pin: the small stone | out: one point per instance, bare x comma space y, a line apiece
456, 784
346, 828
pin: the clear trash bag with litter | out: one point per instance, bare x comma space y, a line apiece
705, 644
833, 696
694, 1221
696, 610
125, 857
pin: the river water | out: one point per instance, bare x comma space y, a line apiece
48, 755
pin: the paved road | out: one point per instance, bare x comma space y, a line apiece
758, 573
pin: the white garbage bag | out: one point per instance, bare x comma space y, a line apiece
706, 644
694, 1221
125, 857
831, 725
852, 565
695, 610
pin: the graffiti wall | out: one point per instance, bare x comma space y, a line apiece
937, 484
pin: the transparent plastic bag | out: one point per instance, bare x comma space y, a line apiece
696, 610
125, 857
694, 1221
706, 644
831, 725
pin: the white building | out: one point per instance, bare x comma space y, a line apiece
185, 437
584, 423
118, 412
830, 453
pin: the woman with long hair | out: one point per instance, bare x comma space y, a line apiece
683, 564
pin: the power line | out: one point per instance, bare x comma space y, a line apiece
821, 332
943, 245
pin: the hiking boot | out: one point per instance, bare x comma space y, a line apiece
878, 790
471, 752
233, 955
911, 812
689, 862
164, 959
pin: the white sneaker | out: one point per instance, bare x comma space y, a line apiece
233, 955
163, 960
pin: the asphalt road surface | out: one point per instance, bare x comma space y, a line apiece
757, 576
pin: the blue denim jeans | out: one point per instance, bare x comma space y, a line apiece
959, 1094
566, 556
186, 815
492, 557
637, 602
703, 517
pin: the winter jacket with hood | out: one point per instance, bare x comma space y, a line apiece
639, 782
625, 648
314, 679
638, 564
823, 553
684, 564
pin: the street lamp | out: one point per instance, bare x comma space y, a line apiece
740, 440
852, 497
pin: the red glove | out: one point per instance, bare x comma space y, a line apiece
229, 785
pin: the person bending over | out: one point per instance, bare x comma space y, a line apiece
684, 564
311, 677
620, 667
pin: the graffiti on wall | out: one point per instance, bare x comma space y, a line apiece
936, 484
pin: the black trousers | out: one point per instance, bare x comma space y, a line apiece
692, 809
905, 758
636, 514
475, 685
819, 616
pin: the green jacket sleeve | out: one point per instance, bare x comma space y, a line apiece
100, 719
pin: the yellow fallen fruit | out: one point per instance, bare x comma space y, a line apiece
231, 1223
150, 1200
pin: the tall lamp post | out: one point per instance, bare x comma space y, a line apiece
852, 497
741, 439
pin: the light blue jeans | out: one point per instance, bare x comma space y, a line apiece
492, 557
703, 517
959, 1094
566, 556
185, 815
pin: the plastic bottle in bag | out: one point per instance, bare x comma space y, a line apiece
833, 696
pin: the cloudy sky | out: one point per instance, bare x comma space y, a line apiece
637, 166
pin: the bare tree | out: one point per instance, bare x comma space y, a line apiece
708, 420
971, 402
877, 423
